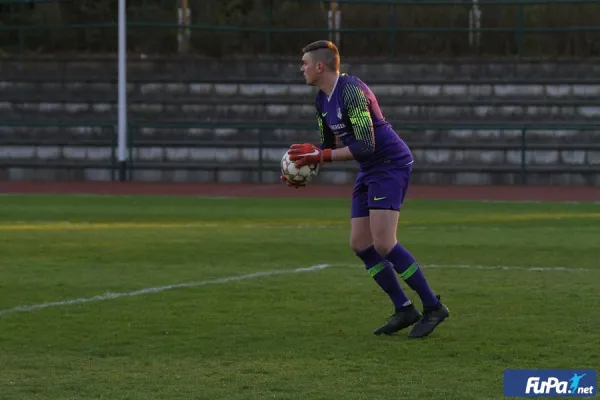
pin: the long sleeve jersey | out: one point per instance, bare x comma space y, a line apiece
351, 116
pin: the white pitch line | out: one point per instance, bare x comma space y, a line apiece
483, 267
111, 296
228, 279
506, 267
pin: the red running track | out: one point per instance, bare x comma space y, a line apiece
483, 192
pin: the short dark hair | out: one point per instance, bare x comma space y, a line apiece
326, 52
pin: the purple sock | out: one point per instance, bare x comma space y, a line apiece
408, 269
383, 273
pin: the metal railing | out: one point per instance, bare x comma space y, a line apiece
265, 141
266, 30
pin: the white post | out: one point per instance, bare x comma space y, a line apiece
180, 23
334, 22
338, 25
122, 142
475, 24
330, 23
183, 20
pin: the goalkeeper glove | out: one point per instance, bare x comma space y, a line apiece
306, 153
292, 184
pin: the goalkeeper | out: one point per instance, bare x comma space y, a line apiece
348, 113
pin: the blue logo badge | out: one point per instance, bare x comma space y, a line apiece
550, 383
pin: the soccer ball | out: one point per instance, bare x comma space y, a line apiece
301, 175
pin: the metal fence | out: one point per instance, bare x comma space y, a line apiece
106, 139
499, 27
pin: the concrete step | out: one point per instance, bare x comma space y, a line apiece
568, 136
288, 68
451, 175
464, 112
270, 157
177, 92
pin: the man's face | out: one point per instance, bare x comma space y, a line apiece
310, 69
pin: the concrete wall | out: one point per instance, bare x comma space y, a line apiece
218, 103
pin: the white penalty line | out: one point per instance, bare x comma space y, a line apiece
228, 279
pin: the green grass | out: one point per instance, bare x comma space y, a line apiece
289, 336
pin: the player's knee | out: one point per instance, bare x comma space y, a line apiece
384, 246
359, 244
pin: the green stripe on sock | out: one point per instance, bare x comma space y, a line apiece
375, 269
409, 271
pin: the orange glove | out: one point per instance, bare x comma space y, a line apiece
306, 153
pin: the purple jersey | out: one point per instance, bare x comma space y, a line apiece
351, 116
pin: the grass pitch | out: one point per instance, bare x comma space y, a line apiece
304, 335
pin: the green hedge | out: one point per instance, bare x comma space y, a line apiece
298, 14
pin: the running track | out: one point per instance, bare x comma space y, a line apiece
498, 193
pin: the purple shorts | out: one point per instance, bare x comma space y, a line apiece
382, 189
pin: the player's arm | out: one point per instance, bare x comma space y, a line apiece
357, 107
307, 153
327, 136
328, 142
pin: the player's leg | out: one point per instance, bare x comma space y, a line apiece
380, 269
383, 235
387, 192
361, 244
384, 225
